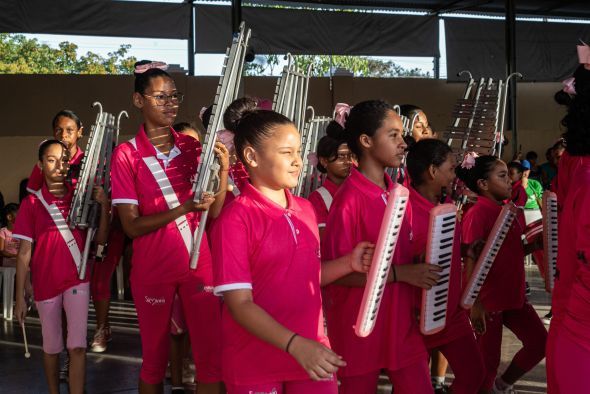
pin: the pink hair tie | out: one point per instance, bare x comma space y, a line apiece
469, 160
202, 112
569, 85
140, 69
312, 158
341, 112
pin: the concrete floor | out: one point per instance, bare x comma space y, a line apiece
116, 371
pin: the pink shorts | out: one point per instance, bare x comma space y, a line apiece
75, 303
291, 387
177, 323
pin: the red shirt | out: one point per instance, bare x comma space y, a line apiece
503, 288
457, 324
355, 216
160, 256
518, 196
319, 205
36, 178
573, 235
52, 266
273, 251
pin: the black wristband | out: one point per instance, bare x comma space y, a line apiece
289, 343
394, 274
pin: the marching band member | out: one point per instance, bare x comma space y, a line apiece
567, 348
374, 134
334, 160
54, 265
266, 246
144, 172
501, 301
67, 128
431, 165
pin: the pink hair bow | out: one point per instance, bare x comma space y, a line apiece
469, 160
312, 158
569, 85
148, 66
202, 112
226, 137
341, 112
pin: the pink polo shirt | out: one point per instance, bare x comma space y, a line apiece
319, 205
36, 178
577, 312
159, 256
457, 324
572, 235
52, 266
355, 216
273, 251
503, 288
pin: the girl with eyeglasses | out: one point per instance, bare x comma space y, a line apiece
152, 190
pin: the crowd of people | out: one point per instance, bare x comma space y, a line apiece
271, 304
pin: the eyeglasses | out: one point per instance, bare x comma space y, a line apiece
162, 99
344, 156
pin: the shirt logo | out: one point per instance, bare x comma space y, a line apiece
155, 301
272, 391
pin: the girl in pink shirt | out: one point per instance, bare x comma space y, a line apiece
67, 128
54, 265
267, 247
152, 189
431, 165
334, 160
501, 301
374, 135
568, 349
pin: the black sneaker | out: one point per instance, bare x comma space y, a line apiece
527, 291
440, 389
547, 318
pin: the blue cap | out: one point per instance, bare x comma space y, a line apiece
526, 164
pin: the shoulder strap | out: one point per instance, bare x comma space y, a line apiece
326, 196
169, 195
64, 230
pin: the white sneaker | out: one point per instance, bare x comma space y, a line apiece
509, 390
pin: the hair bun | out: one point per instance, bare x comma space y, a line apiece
336, 131
237, 111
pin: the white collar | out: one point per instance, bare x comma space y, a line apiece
175, 151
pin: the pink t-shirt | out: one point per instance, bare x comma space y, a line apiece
518, 196
52, 266
503, 288
574, 213
457, 324
273, 251
160, 256
36, 178
319, 205
355, 216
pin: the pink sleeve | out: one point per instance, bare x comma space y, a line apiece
24, 228
473, 228
340, 236
35, 181
230, 246
319, 207
123, 177
582, 213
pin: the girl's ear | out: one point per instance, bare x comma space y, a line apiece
138, 100
482, 184
432, 171
366, 141
323, 162
40, 165
80, 132
250, 156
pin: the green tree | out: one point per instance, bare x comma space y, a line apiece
322, 65
21, 55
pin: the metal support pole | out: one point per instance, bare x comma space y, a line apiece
191, 38
510, 37
236, 15
437, 56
